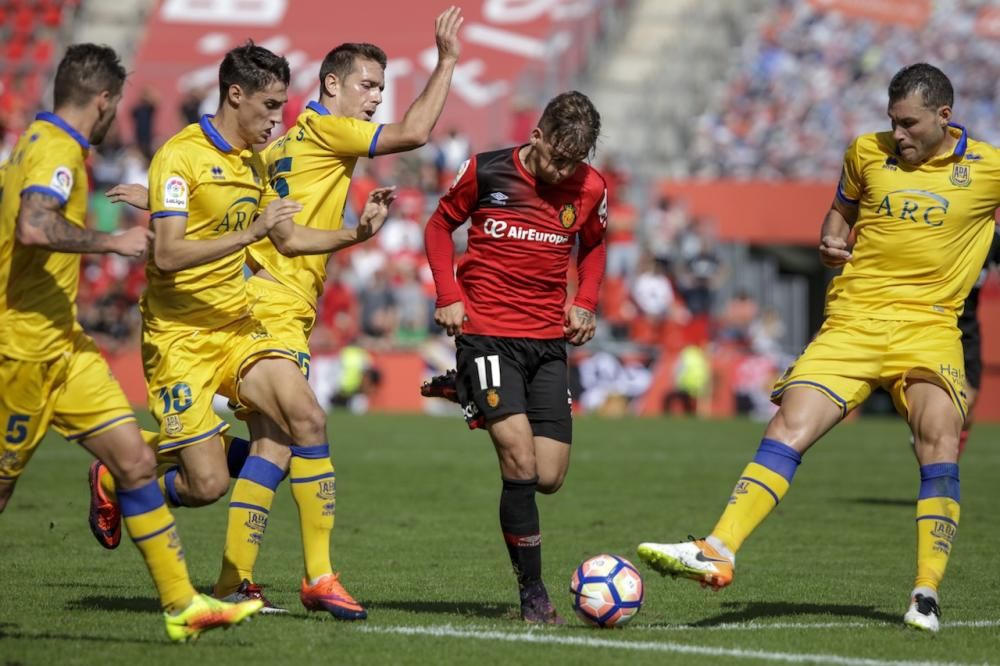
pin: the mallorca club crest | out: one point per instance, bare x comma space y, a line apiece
492, 398
567, 215
960, 175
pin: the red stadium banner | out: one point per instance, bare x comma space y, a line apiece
908, 13
513, 52
757, 212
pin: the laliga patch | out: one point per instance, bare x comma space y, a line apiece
175, 193
62, 181
602, 210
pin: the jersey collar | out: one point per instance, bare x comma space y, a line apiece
64, 126
318, 108
213, 134
963, 141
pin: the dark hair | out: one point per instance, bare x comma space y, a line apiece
85, 71
340, 61
571, 124
932, 84
252, 68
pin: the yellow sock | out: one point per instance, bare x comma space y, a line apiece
937, 522
761, 486
314, 489
249, 506
154, 533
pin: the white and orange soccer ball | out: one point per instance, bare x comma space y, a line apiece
607, 591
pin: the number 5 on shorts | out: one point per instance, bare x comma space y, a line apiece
17, 428
493, 361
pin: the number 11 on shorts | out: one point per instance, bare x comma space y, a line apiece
493, 360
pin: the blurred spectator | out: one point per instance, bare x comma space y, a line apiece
190, 107
144, 120
454, 149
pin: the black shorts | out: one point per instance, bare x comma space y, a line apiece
972, 347
500, 376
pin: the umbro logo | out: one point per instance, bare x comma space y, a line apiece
499, 198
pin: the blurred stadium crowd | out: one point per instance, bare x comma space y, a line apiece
808, 82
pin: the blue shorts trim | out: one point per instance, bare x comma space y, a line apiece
87, 433
816, 385
191, 440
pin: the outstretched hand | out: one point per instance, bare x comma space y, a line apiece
446, 33
133, 194
375, 212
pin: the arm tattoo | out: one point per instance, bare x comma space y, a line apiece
42, 211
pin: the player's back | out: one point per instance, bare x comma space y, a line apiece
198, 176
313, 164
38, 286
922, 231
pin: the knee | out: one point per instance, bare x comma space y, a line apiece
133, 466
550, 485
206, 488
309, 424
936, 445
793, 429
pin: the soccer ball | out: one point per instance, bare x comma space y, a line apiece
607, 591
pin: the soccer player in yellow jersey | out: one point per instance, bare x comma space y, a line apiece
920, 200
51, 372
312, 164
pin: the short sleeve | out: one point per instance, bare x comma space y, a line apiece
170, 184
460, 200
851, 185
52, 169
345, 136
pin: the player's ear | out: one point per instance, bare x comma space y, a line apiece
331, 84
234, 95
944, 115
536, 136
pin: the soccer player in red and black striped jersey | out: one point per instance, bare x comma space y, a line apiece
529, 206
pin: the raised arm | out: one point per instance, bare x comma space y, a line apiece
293, 240
173, 252
40, 223
836, 232
415, 128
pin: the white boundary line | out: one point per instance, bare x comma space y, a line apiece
545, 637
761, 626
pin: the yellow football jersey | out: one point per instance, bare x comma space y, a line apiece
313, 164
922, 232
40, 286
198, 175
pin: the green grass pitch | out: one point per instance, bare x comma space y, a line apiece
824, 580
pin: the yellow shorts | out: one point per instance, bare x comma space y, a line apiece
851, 356
287, 317
186, 367
75, 393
